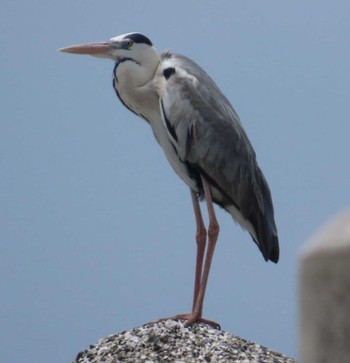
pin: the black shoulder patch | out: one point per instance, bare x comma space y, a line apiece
138, 38
168, 72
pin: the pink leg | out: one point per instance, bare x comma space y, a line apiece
201, 237
213, 233
202, 273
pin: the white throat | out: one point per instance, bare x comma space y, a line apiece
133, 79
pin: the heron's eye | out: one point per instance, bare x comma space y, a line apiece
129, 43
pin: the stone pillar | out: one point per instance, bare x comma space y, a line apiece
325, 294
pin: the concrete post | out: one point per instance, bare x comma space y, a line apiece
325, 295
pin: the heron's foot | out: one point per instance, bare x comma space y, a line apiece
196, 318
189, 320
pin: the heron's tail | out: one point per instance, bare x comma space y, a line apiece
267, 241
275, 250
263, 220
258, 219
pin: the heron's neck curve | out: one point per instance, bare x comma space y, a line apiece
137, 71
133, 80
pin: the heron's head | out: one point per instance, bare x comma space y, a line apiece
134, 46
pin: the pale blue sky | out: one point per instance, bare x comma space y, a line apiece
97, 232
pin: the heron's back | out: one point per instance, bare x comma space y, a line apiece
208, 136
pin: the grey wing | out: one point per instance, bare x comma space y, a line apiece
207, 135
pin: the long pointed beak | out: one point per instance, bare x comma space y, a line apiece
98, 49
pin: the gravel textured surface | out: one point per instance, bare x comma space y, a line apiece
172, 341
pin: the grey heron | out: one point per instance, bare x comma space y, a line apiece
203, 140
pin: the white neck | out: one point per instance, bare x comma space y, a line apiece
140, 69
135, 79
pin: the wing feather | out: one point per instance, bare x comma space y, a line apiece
207, 134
